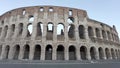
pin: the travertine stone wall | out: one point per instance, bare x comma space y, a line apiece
31, 33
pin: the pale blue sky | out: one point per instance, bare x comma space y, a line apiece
106, 11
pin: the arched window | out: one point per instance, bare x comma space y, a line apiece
16, 52
103, 34
23, 12
70, 20
81, 32
97, 33
83, 52
31, 19
60, 31
20, 28
93, 53
113, 53
72, 53
101, 54
50, 9
48, 52
26, 52
7, 48
50, 29
107, 52
5, 31
60, 52
71, 31
39, 29
12, 30
29, 30
90, 31
70, 13
37, 53
41, 9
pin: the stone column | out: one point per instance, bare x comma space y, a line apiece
66, 53
54, 54
86, 33
31, 53
3, 53
104, 55
97, 54
42, 53
21, 53
78, 53
101, 37
11, 52
8, 33
55, 33
88, 54
94, 33
44, 33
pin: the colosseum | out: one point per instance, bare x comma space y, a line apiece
55, 33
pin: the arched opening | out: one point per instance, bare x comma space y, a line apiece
71, 31
7, 48
70, 13
5, 31
0, 49
101, 54
83, 51
39, 29
20, 29
50, 29
70, 20
93, 53
107, 53
23, 12
50, 9
72, 53
31, 19
12, 30
48, 52
90, 31
26, 52
37, 53
41, 9
29, 30
60, 52
60, 31
16, 52
97, 33
113, 54
108, 33
103, 34
81, 32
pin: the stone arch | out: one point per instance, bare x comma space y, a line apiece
26, 51
71, 31
60, 31
50, 29
37, 52
81, 32
7, 48
48, 52
107, 52
12, 30
29, 29
5, 31
60, 52
93, 53
20, 27
97, 32
101, 53
16, 52
90, 31
31, 19
103, 34
112, 53
72, 53
83, 52
39, 28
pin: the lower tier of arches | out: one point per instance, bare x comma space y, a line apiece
59, 52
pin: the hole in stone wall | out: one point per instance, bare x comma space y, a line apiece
71, 31
81, 32
70, 13
72, 53
23, 12
70, 20
60, 29
41, 9
50, 9
60, 52
39, 29
31, 19
29, 30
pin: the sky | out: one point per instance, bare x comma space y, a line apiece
106, 11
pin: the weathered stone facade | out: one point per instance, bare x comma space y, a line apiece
31, 33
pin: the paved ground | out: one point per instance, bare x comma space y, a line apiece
60, 64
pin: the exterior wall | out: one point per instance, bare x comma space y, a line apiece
19, 35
